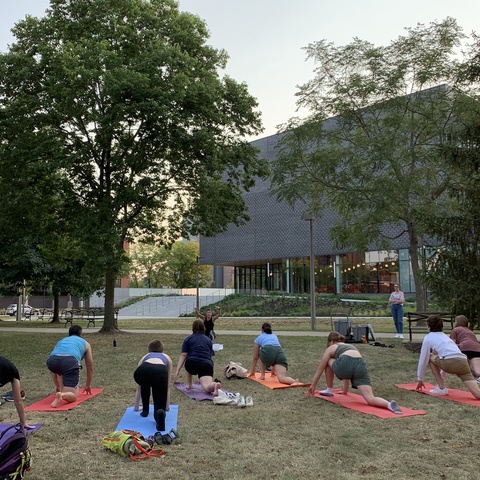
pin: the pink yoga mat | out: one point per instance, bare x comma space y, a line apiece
44, 405
357, 402
273, 383
454, 395
196, 392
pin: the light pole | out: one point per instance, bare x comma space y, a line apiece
313, 317
197, 280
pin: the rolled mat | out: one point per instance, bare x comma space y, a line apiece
273, 383
45, 404
146, 425
196, 393
454, 395
358, 403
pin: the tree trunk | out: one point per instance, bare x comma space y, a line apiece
420, 288
109, 323
56, 307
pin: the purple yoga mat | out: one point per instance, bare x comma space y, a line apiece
36, 426
196, 392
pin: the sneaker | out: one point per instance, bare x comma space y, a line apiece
241, 402
225, 398
439, 391
396, 335
326, 393
249, 402
395, 408
9, 396
401, 336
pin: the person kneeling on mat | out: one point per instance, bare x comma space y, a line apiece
64, 364
346, 362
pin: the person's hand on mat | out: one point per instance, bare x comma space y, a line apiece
251, 375
420, 386
87, 390
29, 427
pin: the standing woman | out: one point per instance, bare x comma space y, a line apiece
346, 362
197, 353
467, 343
154, 372
397, 298
267, 348
208, 320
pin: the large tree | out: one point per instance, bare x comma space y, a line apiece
369, 149
125, 100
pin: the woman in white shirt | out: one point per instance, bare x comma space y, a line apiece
396, 301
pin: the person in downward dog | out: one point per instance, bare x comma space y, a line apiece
345, 361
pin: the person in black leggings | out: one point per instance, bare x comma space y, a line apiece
154, 372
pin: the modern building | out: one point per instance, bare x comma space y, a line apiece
272, 251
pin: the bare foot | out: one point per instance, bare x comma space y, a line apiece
262, 377
218, 386
296, 382
189, 387
57, 401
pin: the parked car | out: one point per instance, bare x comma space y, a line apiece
26, 309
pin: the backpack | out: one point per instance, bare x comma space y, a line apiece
235, 370
15, 456
132, 444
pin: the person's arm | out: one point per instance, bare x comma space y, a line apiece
181, 361
89, 366
136, 405
256, 356
327, 355
198, 314
169, 380
391, 300
17, 398
219, 313
423, 364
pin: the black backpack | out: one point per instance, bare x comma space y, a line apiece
15, 457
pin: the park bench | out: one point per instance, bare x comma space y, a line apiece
90, 315
45, 314
418, 321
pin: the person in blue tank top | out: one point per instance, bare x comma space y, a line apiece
268, 350
64, 364
154, 372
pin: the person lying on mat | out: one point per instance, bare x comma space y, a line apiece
154, 372
268, 350
64, 364
9, 374
197, 353
208, 320
440, 352
467, 343
346, 362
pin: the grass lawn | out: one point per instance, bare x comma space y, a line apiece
286, 435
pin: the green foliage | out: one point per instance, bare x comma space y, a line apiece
371, 148
176, 267
118, 105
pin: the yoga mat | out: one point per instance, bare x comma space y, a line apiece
454, 395
44, 405
146, 425
357, 402
36, 426
273, 383
196, 392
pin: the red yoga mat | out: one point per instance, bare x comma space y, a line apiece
45, 404
454, 395
273, 383
358, 403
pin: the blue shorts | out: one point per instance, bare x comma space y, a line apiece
66, 366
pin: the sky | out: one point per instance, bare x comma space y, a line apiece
265, 39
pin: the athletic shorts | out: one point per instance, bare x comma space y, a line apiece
351, 368
455, 366
201, 369
66, 366
273, 355
470, 354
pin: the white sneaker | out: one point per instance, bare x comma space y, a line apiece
249, 402
226, 398
439, 391
396, 336
400, 336
241, 402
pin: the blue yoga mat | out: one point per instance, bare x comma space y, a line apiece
146, 425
